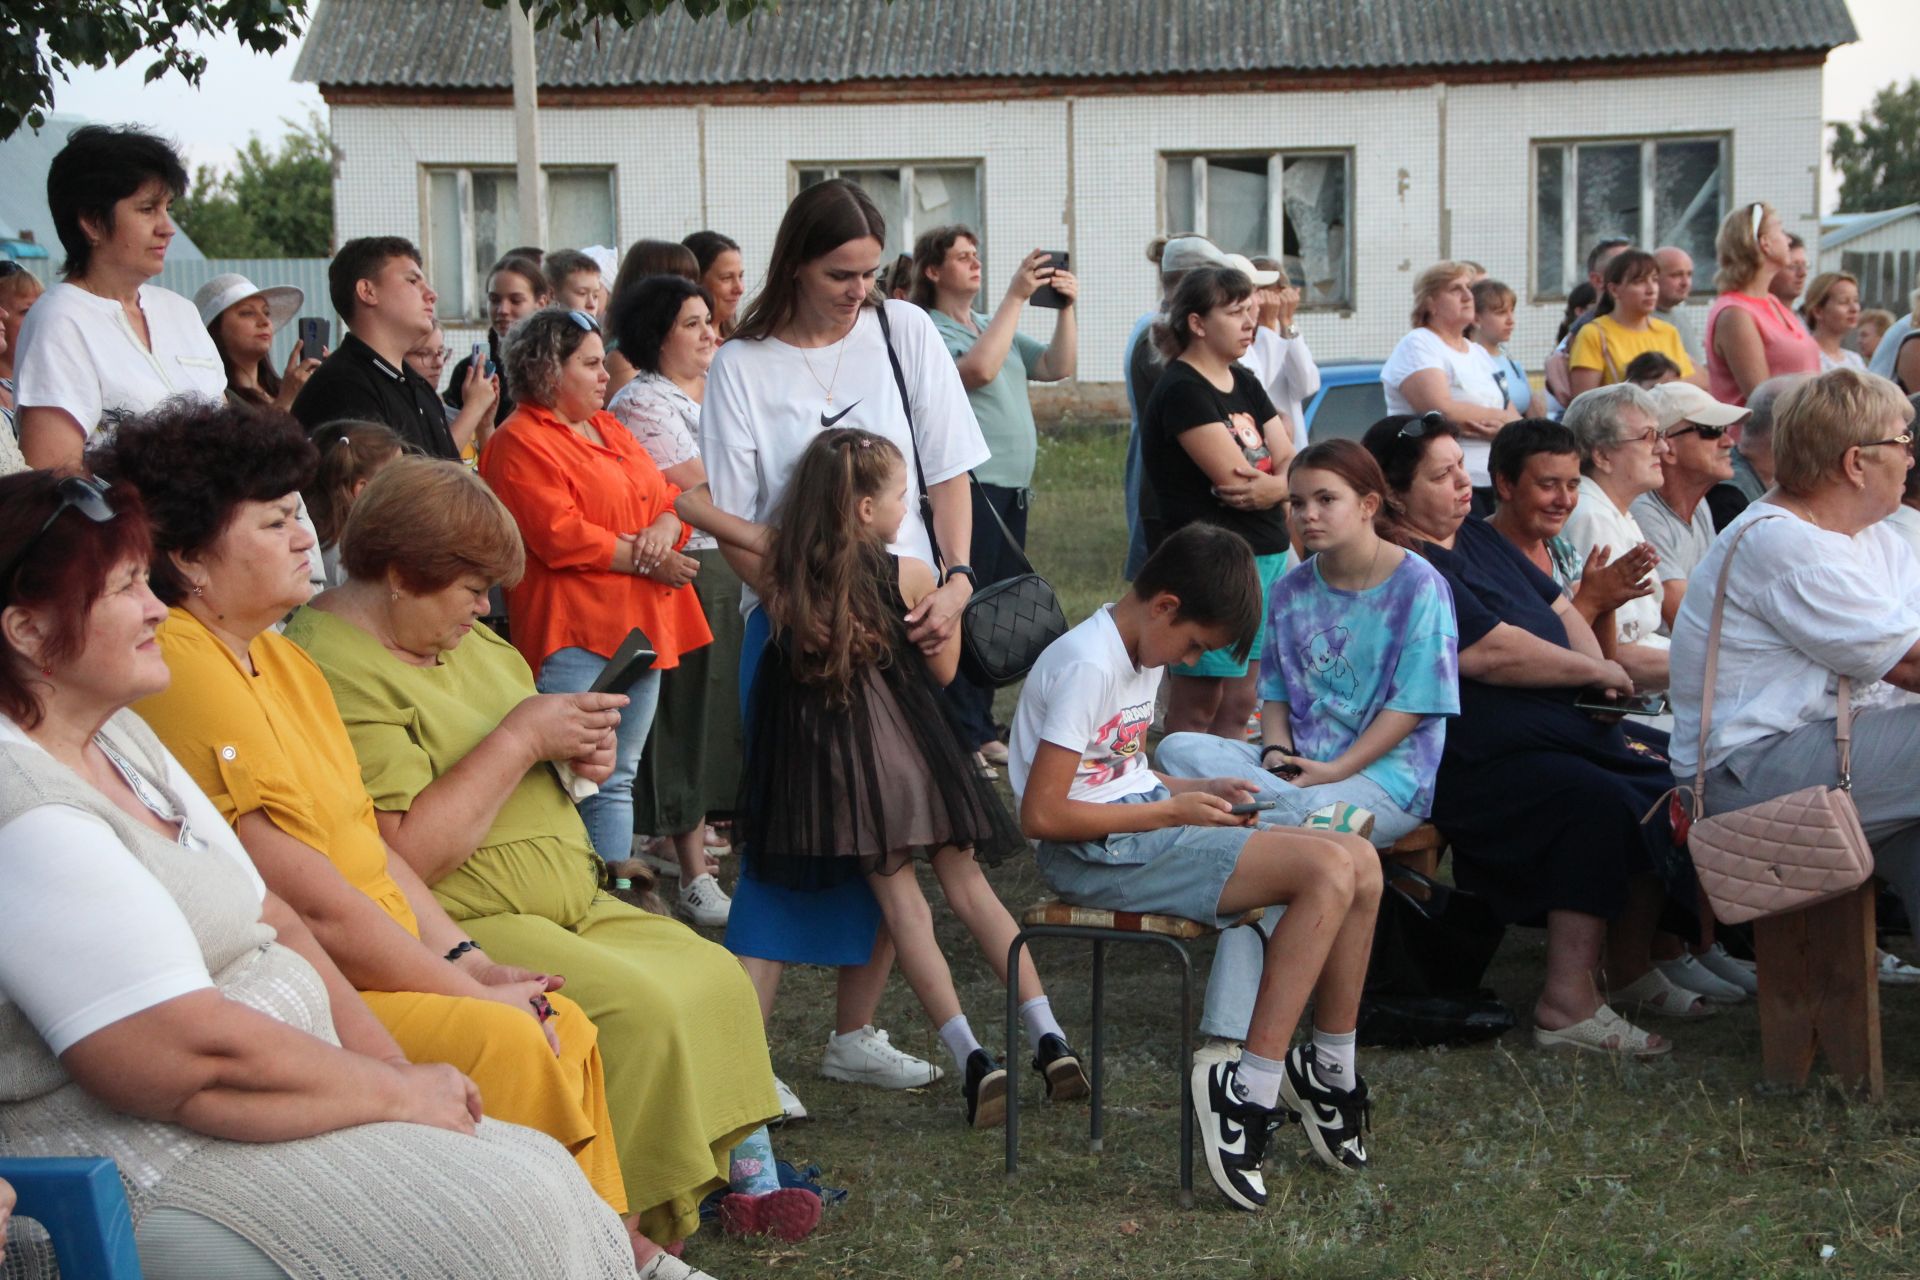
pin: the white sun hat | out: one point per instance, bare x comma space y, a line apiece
221, 292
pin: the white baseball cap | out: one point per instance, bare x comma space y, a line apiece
1190, 253
1244, 265
221, 292
1683, 402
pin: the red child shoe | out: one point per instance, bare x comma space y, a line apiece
790, 1214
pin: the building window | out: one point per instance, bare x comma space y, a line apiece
473, 216
912, 197
1652, 191
1291, 206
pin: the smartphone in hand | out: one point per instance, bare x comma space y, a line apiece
1634, 704
633, 659
1246, 807
1046, 295
313, 334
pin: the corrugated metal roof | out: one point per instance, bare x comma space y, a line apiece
1838, 228
459, 44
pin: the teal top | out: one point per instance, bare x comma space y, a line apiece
1001, 407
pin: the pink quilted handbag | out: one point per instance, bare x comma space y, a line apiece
1781, 854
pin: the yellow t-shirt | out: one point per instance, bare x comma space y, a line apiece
271, 742
1609, 347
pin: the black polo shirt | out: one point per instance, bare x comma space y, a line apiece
356, 382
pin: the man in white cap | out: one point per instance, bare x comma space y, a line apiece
1675, 517
1143, 366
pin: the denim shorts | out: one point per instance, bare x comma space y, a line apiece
1175, 871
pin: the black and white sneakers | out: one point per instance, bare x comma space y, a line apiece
1335, 1119
1233, 1133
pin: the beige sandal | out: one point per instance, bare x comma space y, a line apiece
1654, 992
1605, 1032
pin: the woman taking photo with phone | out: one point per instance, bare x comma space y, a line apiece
516, 288
1214, 449
816, 349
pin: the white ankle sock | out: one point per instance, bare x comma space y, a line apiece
1335, 1054
1260, 1079
1037, 1016
958, 1037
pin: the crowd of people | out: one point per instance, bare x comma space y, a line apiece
321, 769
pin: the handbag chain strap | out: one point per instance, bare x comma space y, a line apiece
926, 498
1843, 722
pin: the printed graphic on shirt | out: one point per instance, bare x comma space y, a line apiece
1246, 434
1326, 656
1118, 748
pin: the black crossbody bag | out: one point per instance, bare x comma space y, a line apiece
1007, 624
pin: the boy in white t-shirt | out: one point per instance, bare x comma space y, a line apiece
1113, 834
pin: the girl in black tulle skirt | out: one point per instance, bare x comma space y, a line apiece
853, 768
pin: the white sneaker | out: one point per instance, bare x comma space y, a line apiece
865, 1057
705, 903
1740, 973
1216, 1049
791, 1108
1895, 972
1687, 971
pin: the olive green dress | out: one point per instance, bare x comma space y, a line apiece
686, 1054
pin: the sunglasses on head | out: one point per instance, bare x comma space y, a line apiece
84, 494
585, 321
1430, 421
1700, 429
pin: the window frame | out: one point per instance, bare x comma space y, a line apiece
469, 266
1276, 158
905, 168
1573, 254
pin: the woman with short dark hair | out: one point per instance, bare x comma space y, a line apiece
104, 341
159, 1005
665, 325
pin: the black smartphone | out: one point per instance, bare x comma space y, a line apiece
1286, 772
313, 334
1251, 806
1634, 704
633, 659
1046, 295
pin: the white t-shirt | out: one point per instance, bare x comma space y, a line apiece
1086, 695
766, 401
1469, 379
1597, 522
78, 352
87, 935
1286, 369
1802, 604
1905, 521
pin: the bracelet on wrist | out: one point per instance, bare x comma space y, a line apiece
1282, 748
465, 946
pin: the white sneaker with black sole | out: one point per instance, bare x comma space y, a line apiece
1233, 1133
865, 1057
1335, 1119
705, 903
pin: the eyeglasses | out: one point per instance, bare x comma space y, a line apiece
1652, 436
84, 494
1427, 423
1700, 429
585, 321
1905, 439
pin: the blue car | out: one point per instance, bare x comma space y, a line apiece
1350, 400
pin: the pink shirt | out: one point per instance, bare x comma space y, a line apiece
1788, 346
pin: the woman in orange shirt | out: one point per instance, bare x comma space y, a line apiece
602, 543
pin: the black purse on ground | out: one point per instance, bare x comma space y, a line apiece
1007, 624
1432, 944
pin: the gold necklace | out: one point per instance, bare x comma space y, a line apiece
1366, 581
828, 386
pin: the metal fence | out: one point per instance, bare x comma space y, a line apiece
1887, 278
308, 274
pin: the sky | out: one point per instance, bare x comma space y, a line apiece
244, 93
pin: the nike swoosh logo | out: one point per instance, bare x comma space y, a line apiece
825, 421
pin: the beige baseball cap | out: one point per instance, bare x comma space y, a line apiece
1683, 402
1244, 265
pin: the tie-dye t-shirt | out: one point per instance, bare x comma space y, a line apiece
1340, 658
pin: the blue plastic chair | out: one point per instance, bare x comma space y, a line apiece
83, 1207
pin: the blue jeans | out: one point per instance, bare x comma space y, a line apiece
608, 814
1234, 980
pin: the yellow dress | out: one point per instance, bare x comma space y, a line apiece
687, 1069
273, 743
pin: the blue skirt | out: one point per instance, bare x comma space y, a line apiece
835, 927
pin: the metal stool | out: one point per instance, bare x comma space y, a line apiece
1053, 919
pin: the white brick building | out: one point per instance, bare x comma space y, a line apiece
1360, 139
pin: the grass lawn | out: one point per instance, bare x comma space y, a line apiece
1498, 1160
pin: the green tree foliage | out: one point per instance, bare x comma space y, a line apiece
43, 41
1879, 158
274, 204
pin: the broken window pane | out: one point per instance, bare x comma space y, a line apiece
1609, 193
1237, 204
1313, 192
1549, 223
1689, 200
883, 185
945, 196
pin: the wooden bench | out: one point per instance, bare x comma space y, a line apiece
1056, 919
1820, 990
